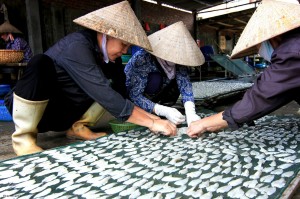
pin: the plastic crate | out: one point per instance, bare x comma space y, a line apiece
4, 113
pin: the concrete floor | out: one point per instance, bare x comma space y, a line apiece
46, 140
56, 139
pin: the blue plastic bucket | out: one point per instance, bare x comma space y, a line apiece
4, 89
4, 113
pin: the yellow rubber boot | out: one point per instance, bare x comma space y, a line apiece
79, 129
26, 116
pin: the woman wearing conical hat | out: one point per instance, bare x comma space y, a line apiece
273, 32
66, 87
14, 40
155, 79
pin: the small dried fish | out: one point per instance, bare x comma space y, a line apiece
224, 189
115, 190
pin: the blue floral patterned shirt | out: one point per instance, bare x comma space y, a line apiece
137, 70
20, 44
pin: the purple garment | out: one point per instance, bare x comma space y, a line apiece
278, 85
20, 44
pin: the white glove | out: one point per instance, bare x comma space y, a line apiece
190, 112
171, 114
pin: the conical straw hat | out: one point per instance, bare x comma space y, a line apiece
118, 21
6, 27
270, 19
175, 44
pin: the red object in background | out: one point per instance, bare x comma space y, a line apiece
161, 26
147, 27
202, 43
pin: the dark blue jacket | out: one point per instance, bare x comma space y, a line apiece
77, 58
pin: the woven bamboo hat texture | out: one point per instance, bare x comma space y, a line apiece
270, 19
6, 27
118, 21
175, 44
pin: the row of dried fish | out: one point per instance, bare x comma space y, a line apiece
253, 162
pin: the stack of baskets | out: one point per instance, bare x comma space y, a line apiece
11, 56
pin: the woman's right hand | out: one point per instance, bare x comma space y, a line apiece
163, 126
212, 123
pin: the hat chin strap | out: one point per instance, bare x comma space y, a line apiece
11, 37
168, 67
103, 48
266, 50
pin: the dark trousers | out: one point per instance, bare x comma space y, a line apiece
36, 84
166, 96
42, 81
